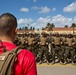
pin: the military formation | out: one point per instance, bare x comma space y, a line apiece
50, 48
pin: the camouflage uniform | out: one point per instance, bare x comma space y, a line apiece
30, 41
56, 48
69, 50
25, 41
43, 49
36, 45
17, 42
22, 40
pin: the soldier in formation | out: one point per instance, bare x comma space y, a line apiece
69, 49
44, 48
60, 47
56, 48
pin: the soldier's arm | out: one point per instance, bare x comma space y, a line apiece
73, 42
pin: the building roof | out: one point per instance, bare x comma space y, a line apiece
63, 29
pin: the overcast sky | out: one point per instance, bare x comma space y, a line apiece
37, 13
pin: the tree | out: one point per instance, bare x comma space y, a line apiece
66, 26
33, 28
26, 28
38, 29
73, 25
50, 26
20, 28
42, 28
23, 28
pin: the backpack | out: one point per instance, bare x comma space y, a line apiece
7, 59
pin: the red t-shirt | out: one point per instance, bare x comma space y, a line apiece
25, 64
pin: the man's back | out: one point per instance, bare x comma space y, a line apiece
25, 64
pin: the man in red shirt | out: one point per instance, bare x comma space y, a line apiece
25, 64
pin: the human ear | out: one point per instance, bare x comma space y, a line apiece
15, 32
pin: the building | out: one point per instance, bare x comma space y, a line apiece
64, 30
59, 30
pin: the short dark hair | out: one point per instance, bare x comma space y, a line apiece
7, 23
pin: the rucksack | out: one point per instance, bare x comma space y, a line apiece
7, 59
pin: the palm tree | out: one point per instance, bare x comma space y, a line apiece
73, 26
50, 26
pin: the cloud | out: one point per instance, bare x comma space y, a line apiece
41, 22
59, 21
34, 0
70, 8
44, 20
24, 21
24, 9
54, 9
44, 10
38, 24
35, 8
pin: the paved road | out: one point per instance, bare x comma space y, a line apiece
56, 69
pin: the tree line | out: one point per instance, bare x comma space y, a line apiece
48, 25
